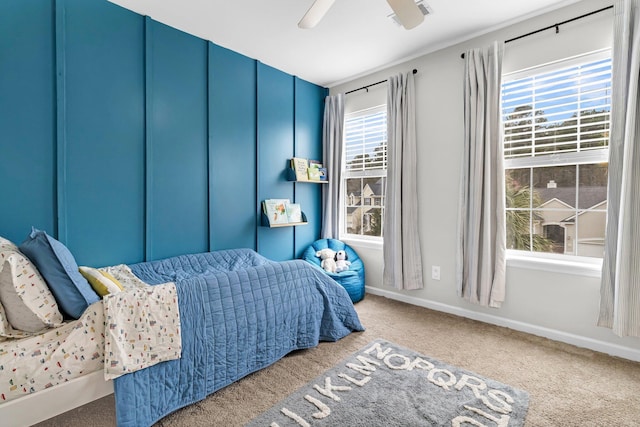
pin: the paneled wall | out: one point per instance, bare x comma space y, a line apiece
129, 140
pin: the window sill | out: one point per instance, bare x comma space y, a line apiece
363, 243
573, 265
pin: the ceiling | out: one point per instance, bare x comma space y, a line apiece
353, 39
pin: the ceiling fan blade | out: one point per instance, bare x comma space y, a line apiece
407, 12
315, 13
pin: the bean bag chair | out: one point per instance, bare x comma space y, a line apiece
353, 278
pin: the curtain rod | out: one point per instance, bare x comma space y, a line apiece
373, 84
556, 26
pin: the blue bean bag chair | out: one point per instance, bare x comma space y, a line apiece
353, 278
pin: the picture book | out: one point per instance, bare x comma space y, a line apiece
314, 172
276, 210
300, 166
323, 174
294, 213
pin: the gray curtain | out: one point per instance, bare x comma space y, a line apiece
402, 256
620, 288
481, 240
332, 139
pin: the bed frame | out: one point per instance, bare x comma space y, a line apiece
48, 403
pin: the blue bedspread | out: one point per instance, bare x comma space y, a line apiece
239, 313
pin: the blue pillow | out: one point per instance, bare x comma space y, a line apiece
58, 267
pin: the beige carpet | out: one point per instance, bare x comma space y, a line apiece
568, 386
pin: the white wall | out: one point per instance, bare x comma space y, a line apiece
549, 303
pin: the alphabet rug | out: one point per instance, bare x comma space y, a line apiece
385, 384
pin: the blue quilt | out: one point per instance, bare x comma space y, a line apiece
239, 313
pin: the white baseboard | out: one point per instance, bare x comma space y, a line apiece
577, 340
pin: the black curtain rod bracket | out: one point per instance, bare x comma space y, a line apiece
556, 26
415, 71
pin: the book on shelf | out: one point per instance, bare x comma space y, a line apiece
300, 166
276, 210
314, 170
282, 211
294, 213
323, 174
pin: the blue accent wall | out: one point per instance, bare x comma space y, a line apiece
100, 120
232, 149
275, 148
177, 156
309, 107
27, 117
129, 140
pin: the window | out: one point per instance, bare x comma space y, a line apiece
556, 136
364, 173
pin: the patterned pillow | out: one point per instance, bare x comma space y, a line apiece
7, 245
58, 267
28, 303
101, 281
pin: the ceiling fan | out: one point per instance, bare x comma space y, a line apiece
407, 12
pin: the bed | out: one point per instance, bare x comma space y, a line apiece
239, 312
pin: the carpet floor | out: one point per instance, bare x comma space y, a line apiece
568, 386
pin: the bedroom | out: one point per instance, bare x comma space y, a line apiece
146, 173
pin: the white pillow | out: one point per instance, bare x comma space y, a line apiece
28, 304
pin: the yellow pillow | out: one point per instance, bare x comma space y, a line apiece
101, 281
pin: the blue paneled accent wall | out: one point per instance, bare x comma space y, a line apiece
129, 140
275, 148
309, 106
177, 156
100, 119
27, 117
232, 149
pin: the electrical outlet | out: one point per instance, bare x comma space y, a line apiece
435, 272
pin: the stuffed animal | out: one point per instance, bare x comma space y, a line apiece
328, 259
342, 264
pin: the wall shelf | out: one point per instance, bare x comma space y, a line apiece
291, 176
264, 221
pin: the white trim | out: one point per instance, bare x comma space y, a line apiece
593, 56
584, 157
363, 243
366, 112
36, 407
553, 334
565, 264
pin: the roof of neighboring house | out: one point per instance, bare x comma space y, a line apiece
588, 196
376, 188
572, 218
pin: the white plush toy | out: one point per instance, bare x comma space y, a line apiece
342, 264
328, 259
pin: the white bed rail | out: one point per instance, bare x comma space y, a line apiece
48, 403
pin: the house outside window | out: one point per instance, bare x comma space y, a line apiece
364, 173
556, 122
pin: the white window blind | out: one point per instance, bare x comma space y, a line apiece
559, 111
366, 140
